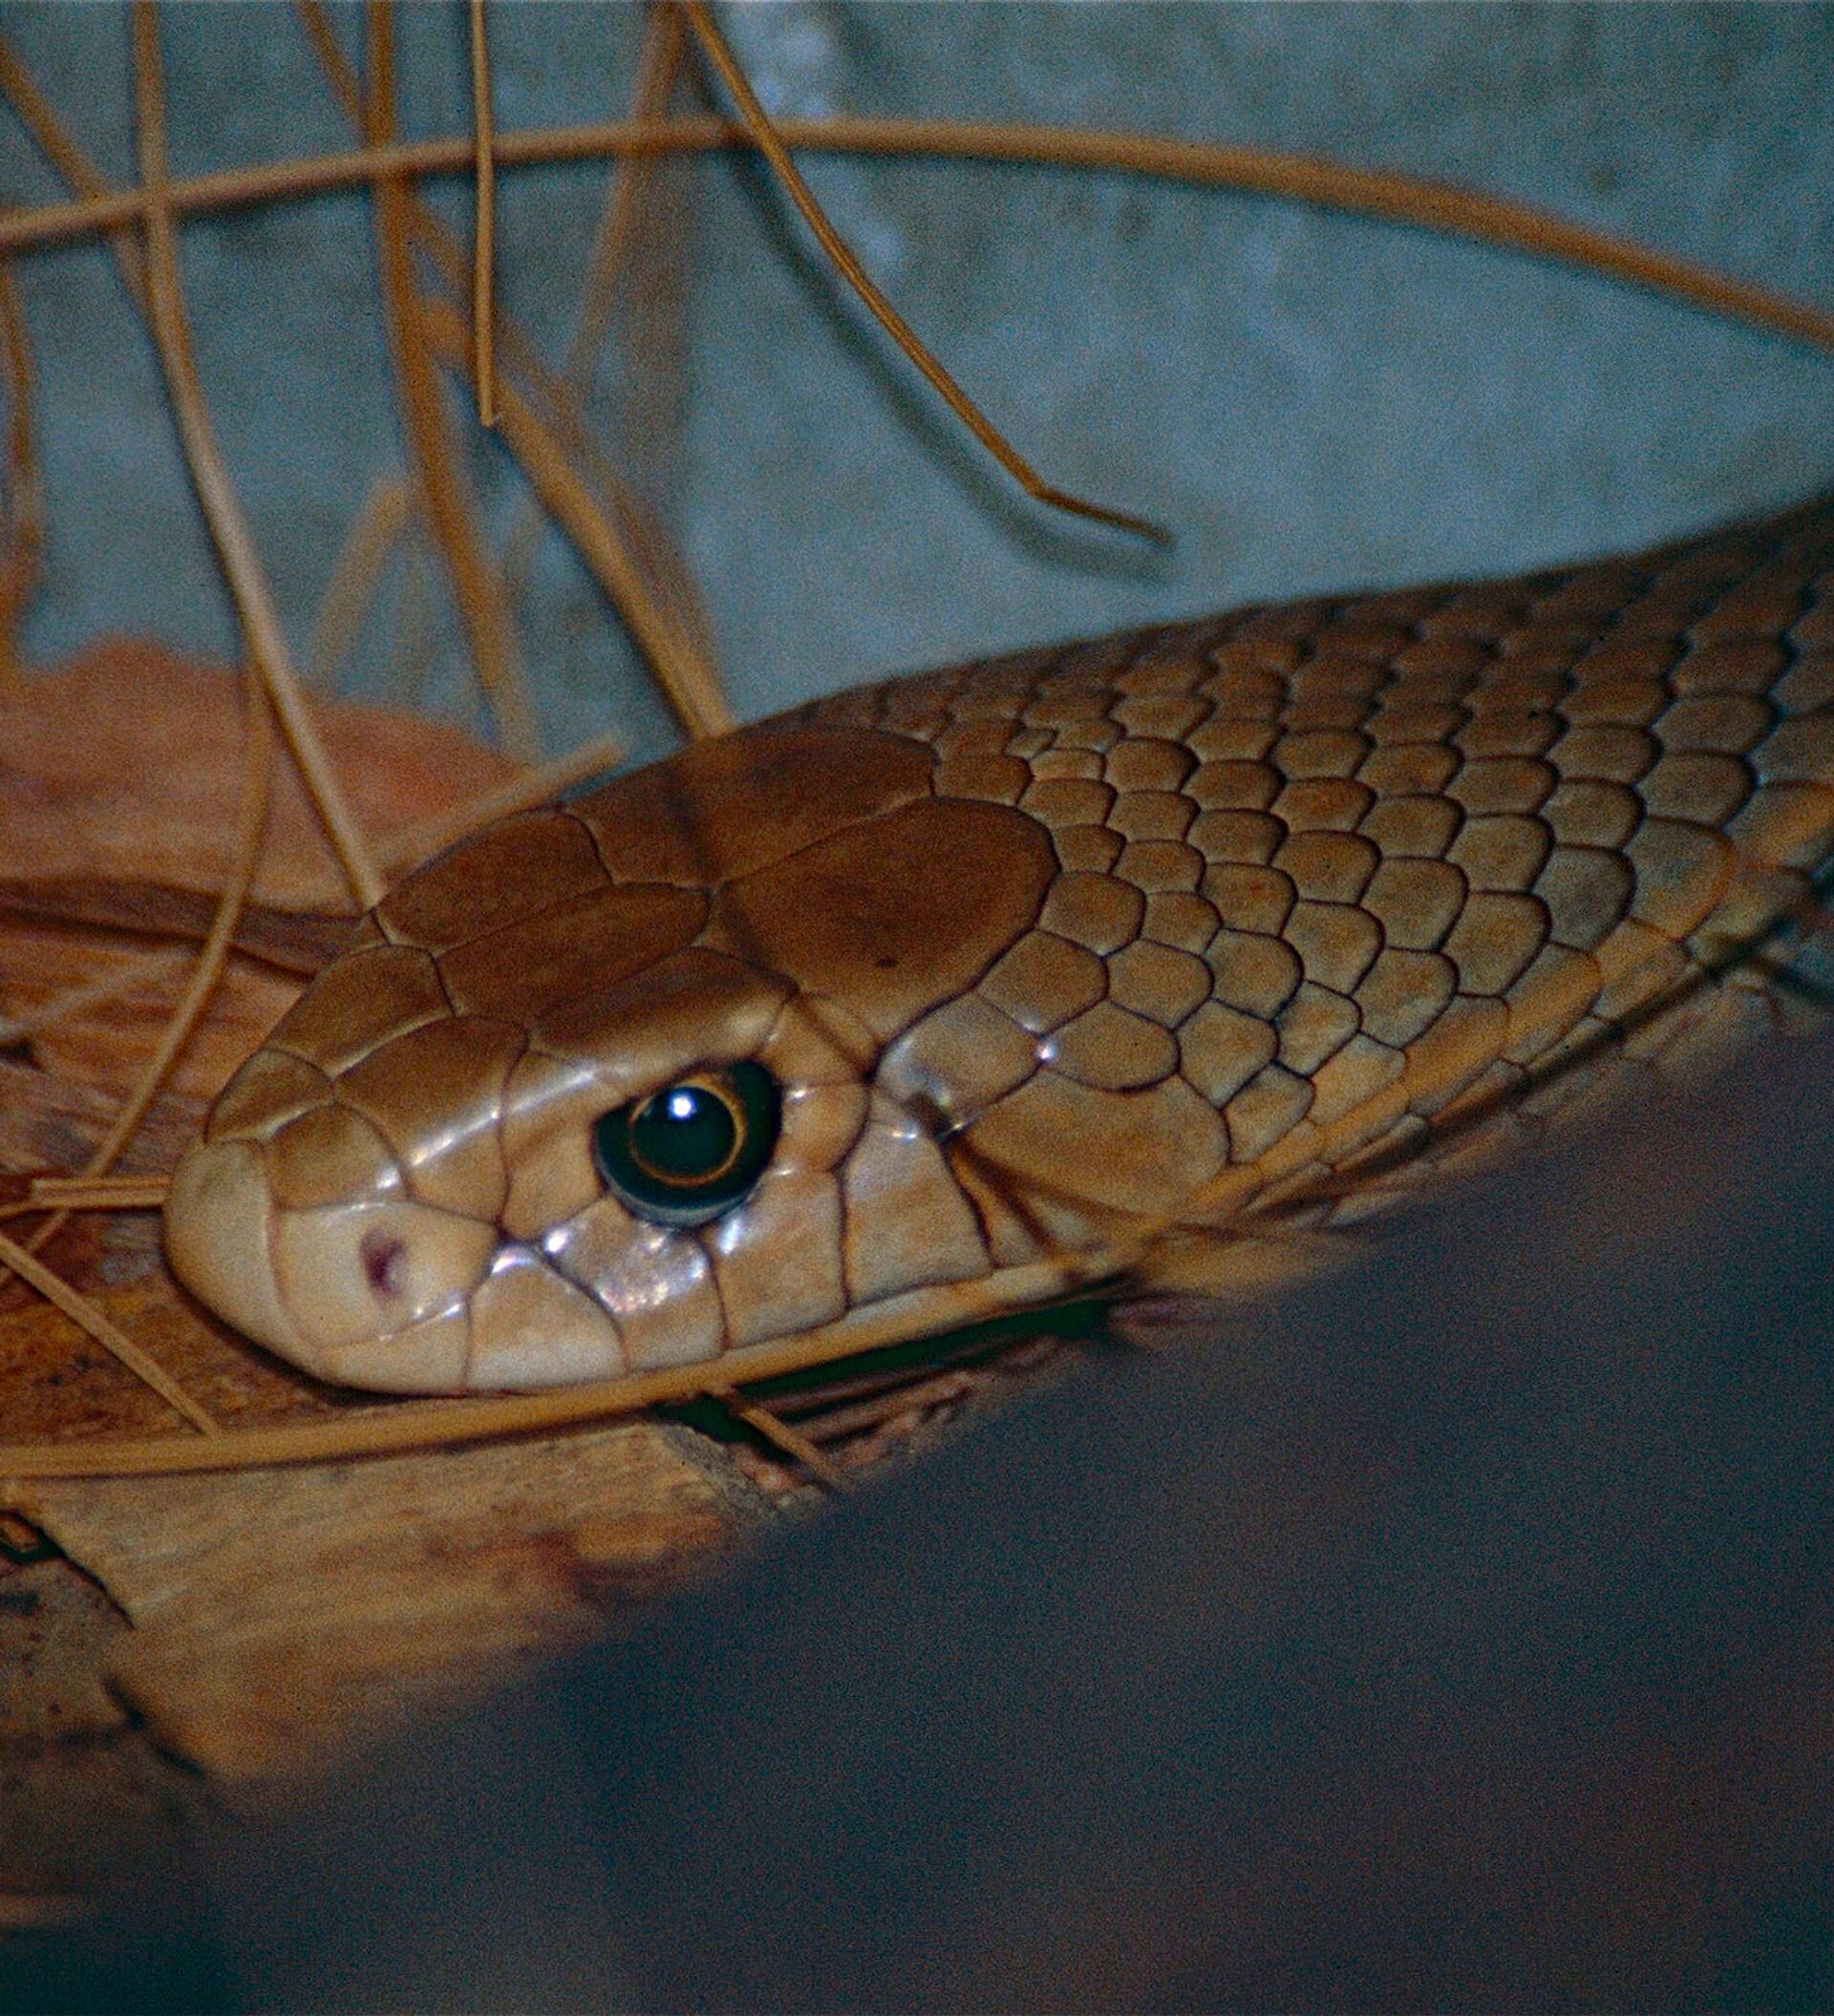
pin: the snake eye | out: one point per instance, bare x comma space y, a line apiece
688, 1152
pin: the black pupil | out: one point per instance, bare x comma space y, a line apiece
688, 1152
684, 1135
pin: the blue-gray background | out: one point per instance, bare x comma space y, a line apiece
1309, 400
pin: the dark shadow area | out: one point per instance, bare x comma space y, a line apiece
1452, 1634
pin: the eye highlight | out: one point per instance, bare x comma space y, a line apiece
690, 1151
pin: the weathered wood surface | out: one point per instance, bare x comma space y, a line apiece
282, 1615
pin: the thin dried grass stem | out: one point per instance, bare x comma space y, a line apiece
646, 614
112, 1193
665, 618
445, 495
241, 562
484, 285
768, 142
443, 1424
672, 596
1326, 185
416, 630
251, 825
373, 534
53, 141
823, 1469
113, 1340
699, 704
658, 67
48, 1015
23, 538
900, 1395
654, 591
316, 19
257, 787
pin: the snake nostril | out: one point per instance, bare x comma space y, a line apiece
382, 1253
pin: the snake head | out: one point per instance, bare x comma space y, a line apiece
622, 1084
474, 1202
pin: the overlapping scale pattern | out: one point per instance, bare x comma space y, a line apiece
1284, 906
1444, 838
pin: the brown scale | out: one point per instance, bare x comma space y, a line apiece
1248, 922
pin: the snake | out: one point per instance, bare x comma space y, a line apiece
1196, 945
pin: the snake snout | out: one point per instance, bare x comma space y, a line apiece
216, 1238
373, 1292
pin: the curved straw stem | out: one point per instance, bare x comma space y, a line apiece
251, 824
370, 541
659, 64
22, 527
628, 223
48, 132
483, 285
768, 142
445, 496
223, 511
570, 501
1408, 199
115, 1341
787, 1440
625, 552
444, 1424
106, 1193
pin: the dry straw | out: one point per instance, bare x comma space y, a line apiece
538, 415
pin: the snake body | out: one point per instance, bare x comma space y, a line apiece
1230, 931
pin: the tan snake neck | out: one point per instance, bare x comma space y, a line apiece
1243, 924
